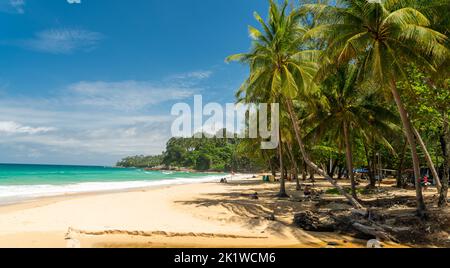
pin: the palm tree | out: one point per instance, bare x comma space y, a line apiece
288, 140
381, 36
282, 69
282, 193
437, 11
351, 112
293, 160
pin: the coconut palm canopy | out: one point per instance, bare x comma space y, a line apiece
342, 72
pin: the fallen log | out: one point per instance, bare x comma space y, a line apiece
395, 229
375, 231
361, 212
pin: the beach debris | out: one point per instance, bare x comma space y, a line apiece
375, 231
223, 180
310, 221
374, 243
254, 196
307, 191
312, 194
271, 217
71, 241
360, 212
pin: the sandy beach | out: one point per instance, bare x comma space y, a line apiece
214, 215
194, 215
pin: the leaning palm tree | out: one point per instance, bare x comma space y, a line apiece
437, 11
381, 35
282, 69
287, 138
352, 112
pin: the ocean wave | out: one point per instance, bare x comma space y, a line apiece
15, 193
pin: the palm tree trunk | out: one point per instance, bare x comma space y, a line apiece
305, 155
294, 166
304, 171
311, 175
340, 172
445, 142
273, 167
333, 169
400, 182
429, 160
349, 156
421, 208
372, 181
282, 192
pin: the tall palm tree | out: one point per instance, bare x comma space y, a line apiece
381, 35
282, 193
282, 68
288, 140
293, 159
352, 111
438, 11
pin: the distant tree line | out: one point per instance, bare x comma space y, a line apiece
141, 161
205, 154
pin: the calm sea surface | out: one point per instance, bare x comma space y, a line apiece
21, 182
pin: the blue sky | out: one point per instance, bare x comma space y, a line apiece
94, 81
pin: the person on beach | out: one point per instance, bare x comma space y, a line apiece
426, 182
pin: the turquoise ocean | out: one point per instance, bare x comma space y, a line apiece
22, 182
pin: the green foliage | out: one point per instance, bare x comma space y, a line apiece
358, 49
280, 63
337, 61
427, 101
141, 161
213, 154
205, 154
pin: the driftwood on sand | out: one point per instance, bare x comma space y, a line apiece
376, 231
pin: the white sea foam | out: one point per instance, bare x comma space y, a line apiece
15, 193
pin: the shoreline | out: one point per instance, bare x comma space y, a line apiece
148, 217
68, 196
23, 203
201, 215
108, 187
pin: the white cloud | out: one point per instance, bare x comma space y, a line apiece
90, 122
63, 41
190, 79
74, 1
125, 95
200, 75
12, 6
108, 136
18, 5
10, 127
100, 134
